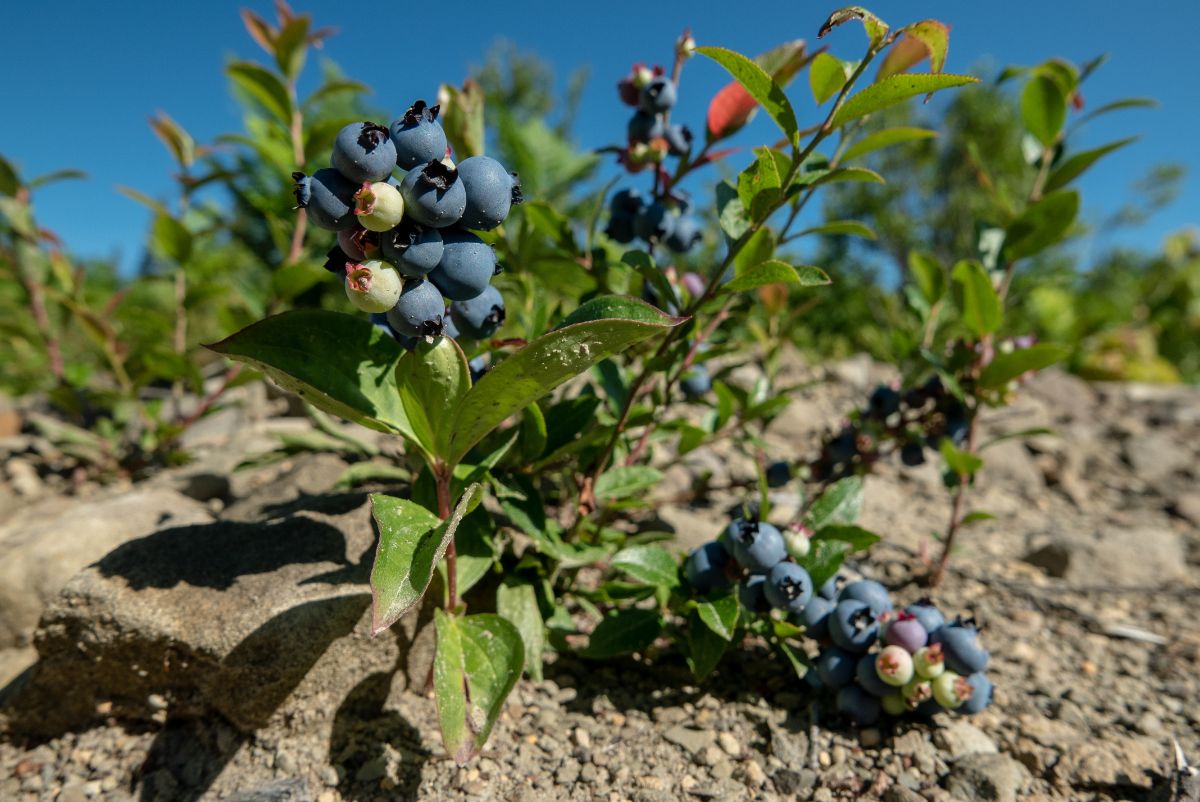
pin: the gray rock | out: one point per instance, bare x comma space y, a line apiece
1143, 555
694, 741
1157, 455
1187, 507
290, 790
960, 739
254, 621
898, 793
986, 778
48, 543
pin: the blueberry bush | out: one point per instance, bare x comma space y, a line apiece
542, 347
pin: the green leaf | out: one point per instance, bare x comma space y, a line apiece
476, 551
625, 481
623, 632
263, 85
935, 36
1073, 167
837, 176
774, 271
153, 205
1005, 367
1117, 105
837, 228
462, 118
976, 298
1043, 108
648, 563
797, 660
411, 543
976, 517
855, 536
361, 473
644, 264
885, 139
826, 77
54, 176
176, 139
704, 647
341, 364
720, 614
928, 274
433, 378
893, 90
876, 28
761, 87
10, 182
331, 89
1041, 225
732, 215
171, 240
839, 504
961, 462
478, 661
598, 329
516, 601
759, 185
824, 559
758, 249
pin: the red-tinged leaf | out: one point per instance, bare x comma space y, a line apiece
729, 110
876, 28
260, 30
902, 56
935, 36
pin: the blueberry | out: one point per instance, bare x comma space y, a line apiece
884, 402
843, 447
830, 589
836, 667
906, 632
448, 328
620, 228
654, 222
924, 611
420, 311
758, 546
329, 198
363, 153
853, 625
478, 366
679, 139
685, 234
644, 126
705, 567
816, 617
751, 594
870, 592
778, 474
960, 643
418, 137
467, 265
789, 587
491, 192
626, 202
912, 453
372, 286
433, 195
894, 666
480, 317
981, 694
378, 206
858, 705
696, 382
355, 242
381, 322
658, 95
413, 249
868, 677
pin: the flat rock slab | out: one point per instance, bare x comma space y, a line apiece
248, 620
1142, 555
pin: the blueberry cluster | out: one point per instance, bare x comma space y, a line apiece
662, 218
405, 216
881, 660
907, 420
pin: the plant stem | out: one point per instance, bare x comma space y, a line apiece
442, 475
297, 135
956, 511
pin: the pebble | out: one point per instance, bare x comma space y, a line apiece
582, 738
870, 737
755, 777
711, 756
729, 743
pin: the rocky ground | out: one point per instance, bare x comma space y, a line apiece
201, 635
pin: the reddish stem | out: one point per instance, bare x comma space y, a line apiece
442, 476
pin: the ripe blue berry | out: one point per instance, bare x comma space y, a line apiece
329, 198
620, 229
696, 382
480, 317
356, 244
751, 594
363, 153
912, 453
644, 126
758, 546
433, 195
658, 96
685, 234
654, 222
372, 286
626, 202
491, 192
853, 625
830, 589
884, 401
418, 137
906, 632
869, 591
413, 249
836, 667
705, 567
679, 139
816, 617
981, 694
420, 311
467, 265
778, 474
478, 366
927, 614
868, 677
960, 644
789, 587
858, 705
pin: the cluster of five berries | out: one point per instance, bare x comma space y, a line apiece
406, 245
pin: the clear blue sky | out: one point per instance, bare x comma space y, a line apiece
80, 78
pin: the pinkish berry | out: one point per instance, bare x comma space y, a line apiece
906, 632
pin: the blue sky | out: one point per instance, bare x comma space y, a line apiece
80, 79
